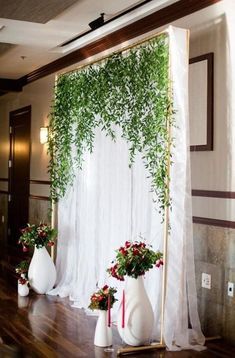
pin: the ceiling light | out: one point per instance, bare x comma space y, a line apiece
95, 24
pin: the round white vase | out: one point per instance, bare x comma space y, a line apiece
139, 316
23, 290
42, 272
103, 333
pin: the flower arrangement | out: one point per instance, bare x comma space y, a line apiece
22, 271
22, 268
23, 280
134, 259
39, 236
103, 299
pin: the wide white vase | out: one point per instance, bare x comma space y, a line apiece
103, 333
42, 272
139, 318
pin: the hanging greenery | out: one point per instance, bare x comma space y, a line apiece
129, 89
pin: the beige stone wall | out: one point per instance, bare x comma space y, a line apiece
215, 255
214, 170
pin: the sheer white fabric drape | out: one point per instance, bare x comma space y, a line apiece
110, 203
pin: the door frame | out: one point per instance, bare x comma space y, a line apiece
13, 114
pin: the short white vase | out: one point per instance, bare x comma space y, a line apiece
23, 289
42, 272
103, 333
139, 318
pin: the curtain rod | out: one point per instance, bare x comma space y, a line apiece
128, 47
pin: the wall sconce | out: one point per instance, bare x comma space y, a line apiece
43, 135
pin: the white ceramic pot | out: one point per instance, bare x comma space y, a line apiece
42, 272
139, 316
23, 290
103, 333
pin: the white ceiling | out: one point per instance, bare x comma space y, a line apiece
38, 44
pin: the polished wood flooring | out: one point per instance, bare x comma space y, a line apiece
46, 326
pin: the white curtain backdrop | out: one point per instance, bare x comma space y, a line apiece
110, 203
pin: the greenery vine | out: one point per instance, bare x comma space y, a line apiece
129, 89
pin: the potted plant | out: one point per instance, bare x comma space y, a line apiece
135, 316
103, 300
22, 273
42, 273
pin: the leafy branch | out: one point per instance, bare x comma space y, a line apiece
129, 89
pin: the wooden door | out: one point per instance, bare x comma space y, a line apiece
19, 172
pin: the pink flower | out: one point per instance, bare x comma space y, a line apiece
159, 263
25, 248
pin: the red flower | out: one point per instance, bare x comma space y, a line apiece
123, 251
42, 234
105, 287
136, 252
22, 281
127, 244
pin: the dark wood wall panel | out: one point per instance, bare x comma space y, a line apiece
214, 222
151, 22
214, 194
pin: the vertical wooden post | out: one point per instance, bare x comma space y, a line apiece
53, 209
166, 227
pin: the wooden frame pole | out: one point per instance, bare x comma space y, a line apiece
53, 210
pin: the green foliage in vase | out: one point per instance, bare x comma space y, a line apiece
103, 298
129, 89
37, 235
22, 268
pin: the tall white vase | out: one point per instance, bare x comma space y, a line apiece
103, 333
42, 272
139, 316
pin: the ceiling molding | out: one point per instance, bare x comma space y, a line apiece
151, 22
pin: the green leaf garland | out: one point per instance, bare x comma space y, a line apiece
129, 89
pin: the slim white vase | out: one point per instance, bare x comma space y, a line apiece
139, 318
42, 272
23, 289
103, 333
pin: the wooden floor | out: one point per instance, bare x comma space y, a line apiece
46, 326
